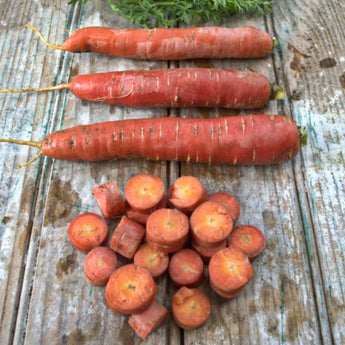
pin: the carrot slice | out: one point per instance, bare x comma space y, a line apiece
229, 201
155, 261
249, 239
99, 264
190, 308
143, 192
109, 199
88, 230
149, 320
127, 237
186, 268
167, 228
130, 290
230, 269
166, 248
210, 224
186, 193
226, 294
207, 252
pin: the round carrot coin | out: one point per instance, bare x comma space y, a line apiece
130, 290
229, 201
226, 294
207, 252
87, 231
190, 308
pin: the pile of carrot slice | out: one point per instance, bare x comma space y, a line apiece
182, 231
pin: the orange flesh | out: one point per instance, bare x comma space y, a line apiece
229, 202
207, 252
226, 294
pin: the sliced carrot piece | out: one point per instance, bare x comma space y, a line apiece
127, 237
143, 192
149, 320
190, 308
226, 294
186, 268
99, 264
155, 261
168, 249
210, 224
130, 290
249, 239
229, 201
207, 252
109, 199
186, 193
87, 231
230, 269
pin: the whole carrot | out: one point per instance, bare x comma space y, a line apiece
173, 87
169, 43
246, 139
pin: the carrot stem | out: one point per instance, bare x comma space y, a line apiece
276, 92
49, 88
54, 46
303, 135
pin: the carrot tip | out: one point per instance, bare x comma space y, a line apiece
54, 46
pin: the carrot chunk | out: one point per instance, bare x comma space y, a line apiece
87, 231
186, 268
155, 261
190, 308
143, 192
127, 237
207, 252
99, 264
229, 201
109, 199
186, 193
149, 320
210, 224
249, 239
226, 294
130, 290
230, 269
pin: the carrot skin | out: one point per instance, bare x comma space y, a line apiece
246, 139
171, 88
172, 43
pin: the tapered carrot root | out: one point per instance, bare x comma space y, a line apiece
190, 308
229, 202
247, 139
249, 239
130, 290
169, 44
99, 264
87, 231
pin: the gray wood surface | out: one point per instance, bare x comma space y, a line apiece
297, 293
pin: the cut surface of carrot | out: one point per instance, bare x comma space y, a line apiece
190, 308
88, 230
226, 294
130, 290
229, 201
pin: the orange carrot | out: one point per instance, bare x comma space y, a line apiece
155, 261
87, 231
186, 193
130, 290
230, 269
207, 252
99, 264
210, 224
109, 199
149, 320
186, 268
127, 237
229, 202
249, 239
190, 308
226, 294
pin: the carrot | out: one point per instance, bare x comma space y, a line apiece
249, 239
186, 268
207, 252
186, 193
149, 320
230, 269
169, 43
171, 88
130, 290
247, 139
167, 230
190, 308
229, 202
226, 294
127, 237
155, 261
109, 199
210, 224
99, 264
144, 192
88, 230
